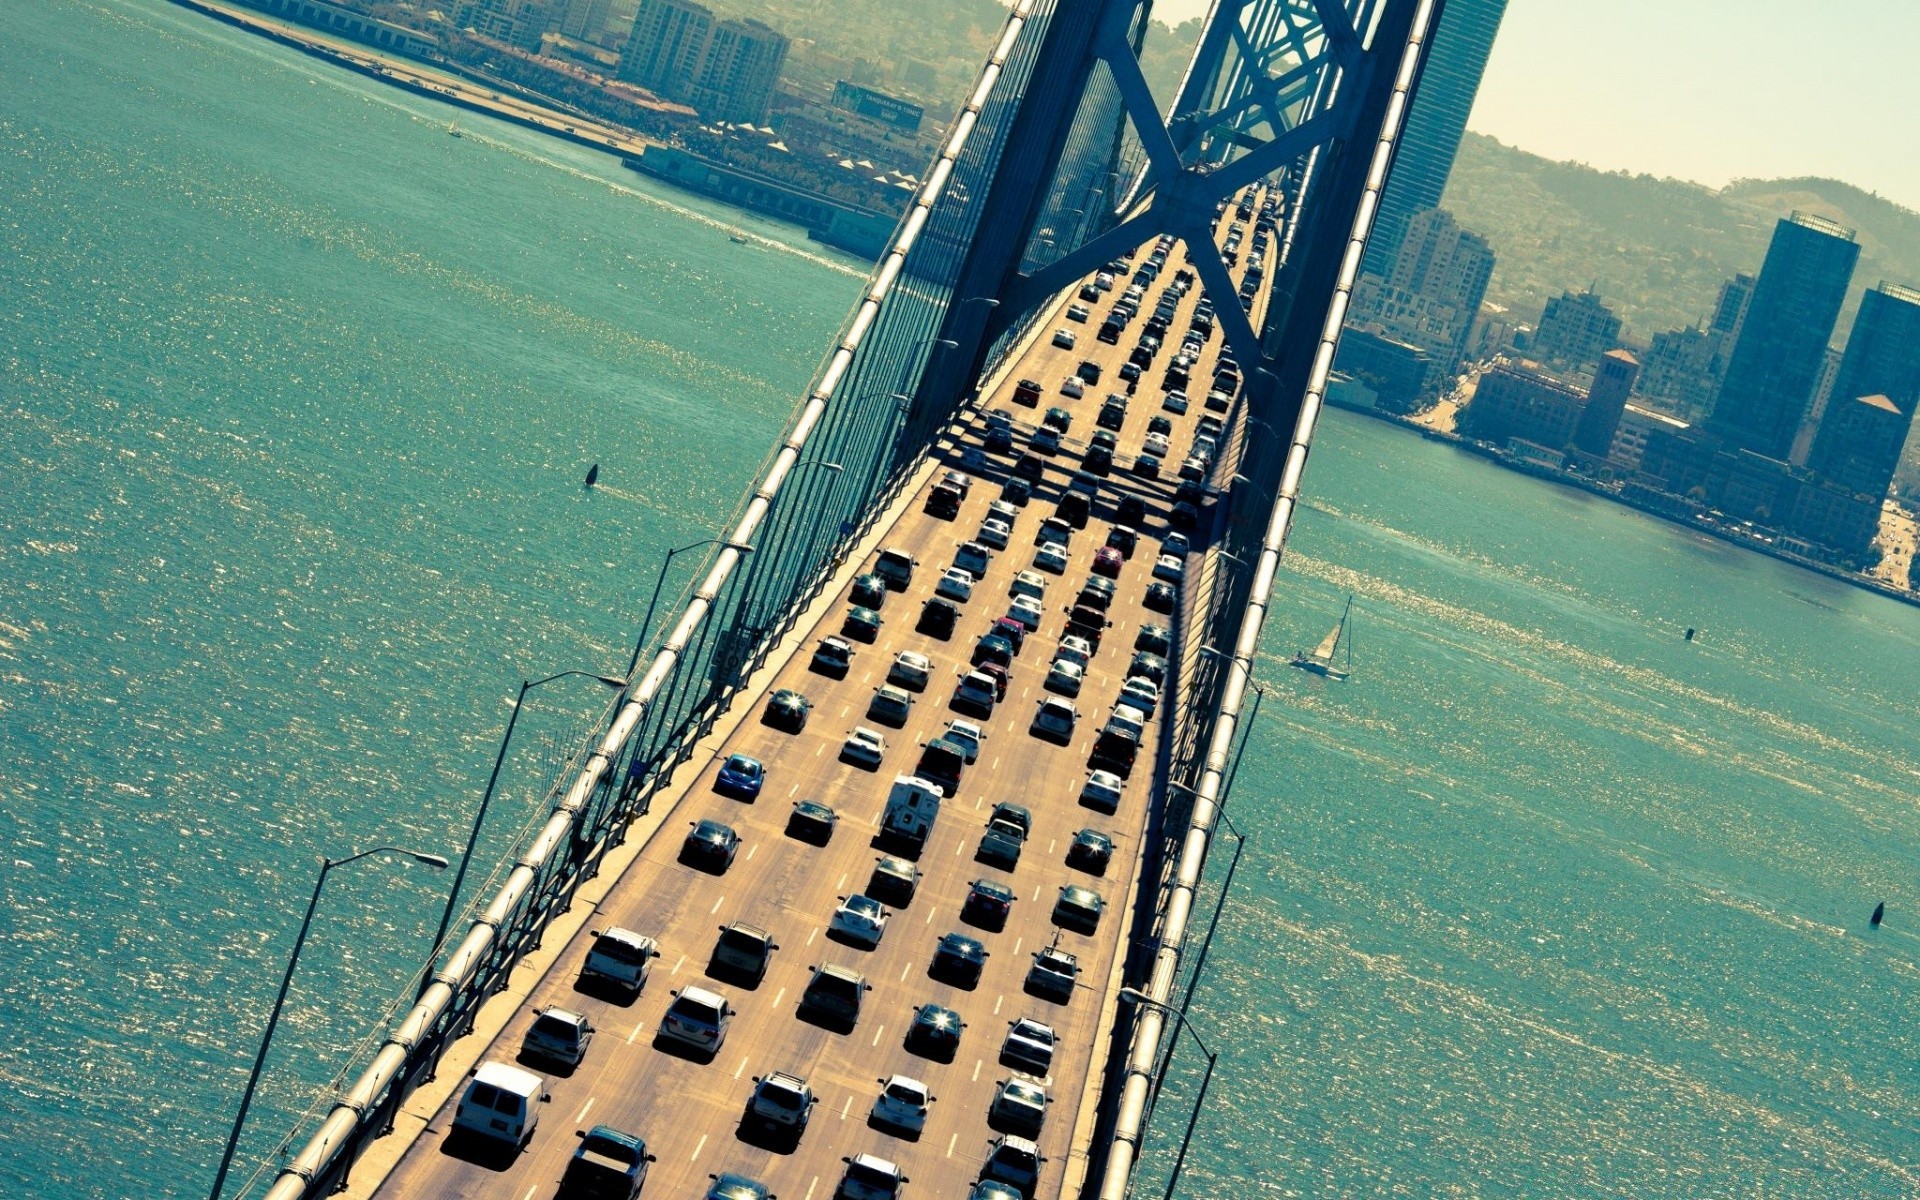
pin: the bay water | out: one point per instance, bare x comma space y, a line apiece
296, 395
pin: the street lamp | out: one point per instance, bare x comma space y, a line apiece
273, 1018
660, 580
1193, 1118
486, 798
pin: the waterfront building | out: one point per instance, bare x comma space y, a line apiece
735, 76
1396, 372
664, 48
1575, 330
521, 24
1776, 359
1875, 390
1522, 400
1606, 401
1678, 460
1748, 486
1859, 444
1629, 447
1833, 516
1435, 123
1432, 293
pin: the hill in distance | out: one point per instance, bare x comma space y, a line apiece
1657, 250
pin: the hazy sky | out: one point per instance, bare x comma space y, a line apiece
1709, 90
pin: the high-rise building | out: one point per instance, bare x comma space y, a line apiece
1678, 371
737, 72
1859, 444
518, 23
1875, 392
1776, 359
585, 20
1432, 294
1731, 308
664, 49
1575, 330
1435, 123
1606, 400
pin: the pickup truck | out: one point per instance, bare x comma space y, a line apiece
1006, 836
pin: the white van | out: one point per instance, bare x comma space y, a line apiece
502, 1104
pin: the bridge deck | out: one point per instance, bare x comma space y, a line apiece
689, 1111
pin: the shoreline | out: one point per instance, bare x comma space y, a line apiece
1866, 583
430, 82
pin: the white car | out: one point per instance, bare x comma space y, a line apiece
864, 746
1076, 650
1063, 338
1055, 718
1156, 444
967, 735
1030, 583
911, 670
859, 920
1064, 678
1004, 512
1029, 1046
1141, 693
1078, 313
1174, 402
1027, 611
994, 534
1072, 387
955, 585
1175, 543
1051, 558
1102, 791
902, 1105
1171, 568
1019, 1106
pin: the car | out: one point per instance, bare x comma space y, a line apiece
994, 534
1029, 1046
1141, 693
1097, 593
1097, 463
606, 1165
1122, 539
973, 558
1174, 401
729, 1186
1088, 371
959, 481
967, 736
999, 440
1026, 392
698, 1019
1156, 444
958, 959
1072, 388
1111, 416
1053, 975
896, 567
1074, 649
557, 1035
1184, 515
1014, 631
870, 1177
994, 646
1090, 851
1107, 562
1154, 639
832, 657
976, 694
1045, 440
973, 458
741, 954
861, 624
786, 709
894, 881
1029, 583
943, 502
869, 591
1204, 447
1019, 1106
1102, 791
935, 1032
1063, 338
987, 905
620, 959
1015, 1161
993, 1189
832, 996
740, 777
1057, 419
1078, 909
859, 920
1064, 678
812, 821
1079, 312
1176, 543
1002, 678
901, 1105
710, 844
1051, 558
1193, 468
937, 619
1130, 371
1170, 567
955, 584
1016, 490
780, 1104
1057, 528
910, 670
1161, 598
890, 706
1054, 719
1148, 665
1027, 611
864, 747
1147, 466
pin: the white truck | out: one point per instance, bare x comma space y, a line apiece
913, 804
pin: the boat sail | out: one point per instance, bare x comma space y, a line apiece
1319, 660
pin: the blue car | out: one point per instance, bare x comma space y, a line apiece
740, 777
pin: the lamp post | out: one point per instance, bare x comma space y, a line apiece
293, 960
660, 580
1193, 1119
486, 798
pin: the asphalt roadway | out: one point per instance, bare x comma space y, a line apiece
689, 1111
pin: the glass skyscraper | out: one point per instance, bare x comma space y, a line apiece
1783, 341
1435, 123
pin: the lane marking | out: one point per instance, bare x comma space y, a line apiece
846, 1107
701, 1145
530, 1192
716, 908
811, 1186
977, 1063
929, 916
1016, 944
582, 1114
737, 1071
997, 1002
751, 849
951, 1142
876, 1035
1051, 844
778, 996
812, 934
819, 750
959, 849
903, 972
796, 787
636, 1032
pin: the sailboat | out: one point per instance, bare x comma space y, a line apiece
453, 129
1319, 660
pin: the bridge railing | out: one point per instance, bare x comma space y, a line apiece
854, 442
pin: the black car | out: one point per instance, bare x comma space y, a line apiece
1184, 515
1160, 425
1097, 461
935, 1032
988, 905
861, 624
893, 882
812, 821
1132, 510
1123, 538
1016, 491
1161, 598
1090, 851
993, 648
937, 618
786, 709
1150, 665
1129, 371
1057, 418
958, 959
711, 845
1190, 491
1154, 639
869, 591
999, 440
1112, 416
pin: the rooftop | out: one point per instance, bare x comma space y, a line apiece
1824, 225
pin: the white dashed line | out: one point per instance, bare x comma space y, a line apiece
1016, 944
698, 1147
929, 916
751, 849
997, 1002
778, 996
795, 789
876, 1035
677, 966
812, 934
531, 1191
904, 971
1051, 844
723, 900
739, 1070
843, 883
978, 1061
846, 1108
636, 1032
582, 1114
811, 1186
951, 1143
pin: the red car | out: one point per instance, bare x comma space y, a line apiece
1106, 561
1011, 630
